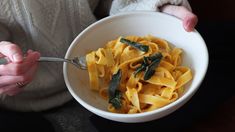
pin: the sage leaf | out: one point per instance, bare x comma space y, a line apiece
114, 93
142, 67
116, 101
150, 70
136, 45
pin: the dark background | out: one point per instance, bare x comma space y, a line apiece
214, 10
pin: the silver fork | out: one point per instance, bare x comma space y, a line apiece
79, 62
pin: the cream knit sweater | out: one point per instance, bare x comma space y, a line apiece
49, 26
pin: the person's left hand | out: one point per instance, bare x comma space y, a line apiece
189, 19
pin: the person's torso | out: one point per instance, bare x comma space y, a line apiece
48, 26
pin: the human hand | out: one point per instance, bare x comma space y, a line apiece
189, 19
18, 70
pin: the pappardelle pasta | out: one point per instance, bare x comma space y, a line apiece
137, 74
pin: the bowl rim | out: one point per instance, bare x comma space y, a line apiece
181, 100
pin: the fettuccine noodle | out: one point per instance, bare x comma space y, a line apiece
137, 94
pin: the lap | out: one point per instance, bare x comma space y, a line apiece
70, 117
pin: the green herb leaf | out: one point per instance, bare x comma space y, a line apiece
136, 45
150, 70
116, 101
140, 69
143, 66
155, 56
146, 62
149, 65
114, 93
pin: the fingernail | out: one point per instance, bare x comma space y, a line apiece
17, 57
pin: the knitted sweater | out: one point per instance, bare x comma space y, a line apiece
49, 26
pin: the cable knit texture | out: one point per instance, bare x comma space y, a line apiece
143, 5
49, 26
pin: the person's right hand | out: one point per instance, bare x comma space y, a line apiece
18, 70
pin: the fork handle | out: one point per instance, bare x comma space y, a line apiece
4, 61
52, 59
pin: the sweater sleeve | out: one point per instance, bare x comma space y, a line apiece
143, 5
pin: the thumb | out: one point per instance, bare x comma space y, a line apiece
189, 19
11, 51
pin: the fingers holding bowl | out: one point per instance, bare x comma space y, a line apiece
189, 19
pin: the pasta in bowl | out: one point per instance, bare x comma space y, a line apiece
180, 79
137, 74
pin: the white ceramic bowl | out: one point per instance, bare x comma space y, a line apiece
134, 23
